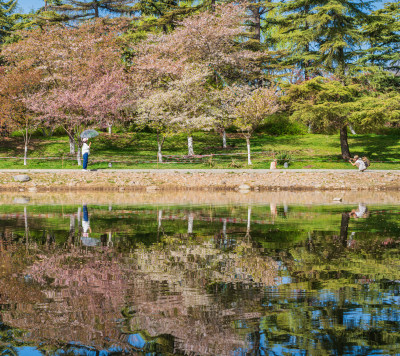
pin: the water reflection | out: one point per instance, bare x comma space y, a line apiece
227, 280
361, 212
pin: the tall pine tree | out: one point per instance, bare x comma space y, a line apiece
298, 35
323, 33
162, 14
338, 27
382, 33
7, 18
87, 9
328, 34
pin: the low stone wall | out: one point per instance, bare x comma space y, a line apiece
214, 181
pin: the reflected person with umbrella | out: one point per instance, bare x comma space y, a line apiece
85, 135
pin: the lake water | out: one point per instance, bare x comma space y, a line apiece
199, 279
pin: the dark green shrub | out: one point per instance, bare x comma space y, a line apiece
280, 124
283, 157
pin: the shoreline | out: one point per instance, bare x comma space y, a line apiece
193, 198
199, 180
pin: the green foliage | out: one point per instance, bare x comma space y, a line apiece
234, 164
8, 19
326, 104
382, 34
86, 9
330, 105
378, 80
283, 157
280, 124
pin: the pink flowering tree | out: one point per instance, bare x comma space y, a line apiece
83, 80
155, 111
15, 86
222, 107
180, 108
188, 64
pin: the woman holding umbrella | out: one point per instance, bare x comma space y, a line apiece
85, 152
86, 146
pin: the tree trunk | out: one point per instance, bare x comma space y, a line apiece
25, 153
257, 24
224, 138
248, 222
213, 5
72, 223
341, 64
71, 236
96, 11
159, 153
71, 144
224, 228
110, 129
26, 141
309, 127
159, 218
248, 151
306, 47
190, 146
190, 223
78, 156
26, 226
160, 143
344, 145
344, 225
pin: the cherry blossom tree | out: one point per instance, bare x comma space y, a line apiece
256, 107
15, 86
208, 38
208, 42
182, 107
222, 107
83, 79
155, 112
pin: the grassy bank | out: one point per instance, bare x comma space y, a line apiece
138, 150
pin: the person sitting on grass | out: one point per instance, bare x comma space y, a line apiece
357, 161
85, 153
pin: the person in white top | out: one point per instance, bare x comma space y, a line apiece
85, 238
361, 212
85, 153
357, 161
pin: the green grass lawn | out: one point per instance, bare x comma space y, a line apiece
138, 150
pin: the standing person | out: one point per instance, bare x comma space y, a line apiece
357, 161
85, 153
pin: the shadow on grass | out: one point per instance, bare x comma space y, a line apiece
12, 146
261, 141
376, 148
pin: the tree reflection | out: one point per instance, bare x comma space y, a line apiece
192, 281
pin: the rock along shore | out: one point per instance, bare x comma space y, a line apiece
206, 180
